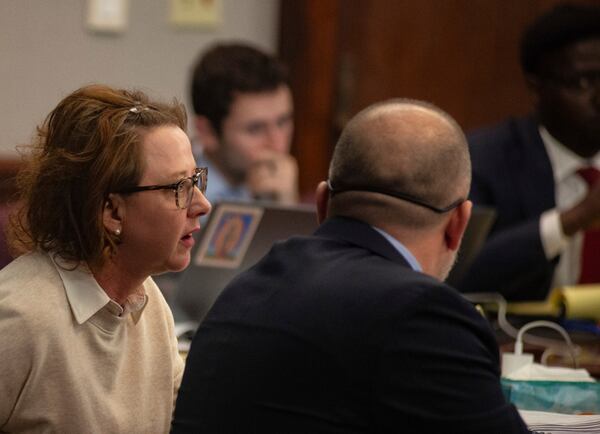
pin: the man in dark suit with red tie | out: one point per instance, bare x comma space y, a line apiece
352, 330
539, 172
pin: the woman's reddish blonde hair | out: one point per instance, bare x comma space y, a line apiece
88, 147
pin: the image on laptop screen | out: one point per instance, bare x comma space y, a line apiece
237, 235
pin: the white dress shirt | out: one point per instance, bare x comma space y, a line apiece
570, 188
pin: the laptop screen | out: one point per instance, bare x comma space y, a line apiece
237, 235
478, 228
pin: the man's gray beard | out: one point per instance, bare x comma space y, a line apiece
448, 268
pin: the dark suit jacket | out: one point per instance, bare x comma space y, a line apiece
512, 173
335, 333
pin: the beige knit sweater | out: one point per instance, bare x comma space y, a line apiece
107, 374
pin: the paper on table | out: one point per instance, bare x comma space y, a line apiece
184, 332
537, 372
558, 423
580, 301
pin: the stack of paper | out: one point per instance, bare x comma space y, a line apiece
557, 423
537, 372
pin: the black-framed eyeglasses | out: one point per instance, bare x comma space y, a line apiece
397, 194
184, 188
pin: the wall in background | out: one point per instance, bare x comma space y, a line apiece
462, 55
46, 52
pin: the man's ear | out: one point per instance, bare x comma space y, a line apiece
206, 134
113, 213
322, 199
455, 228
533, 83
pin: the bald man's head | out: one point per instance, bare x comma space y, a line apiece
404, 146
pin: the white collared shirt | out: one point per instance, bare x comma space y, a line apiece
86, 297
570, 188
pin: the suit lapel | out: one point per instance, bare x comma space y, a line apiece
532, 168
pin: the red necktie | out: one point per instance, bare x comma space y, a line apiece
590, 253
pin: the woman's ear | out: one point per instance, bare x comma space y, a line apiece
113, 213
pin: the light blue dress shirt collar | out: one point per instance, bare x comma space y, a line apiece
401, 248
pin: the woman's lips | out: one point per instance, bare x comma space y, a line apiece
188, 240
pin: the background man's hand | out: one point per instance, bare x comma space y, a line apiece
274, 176
584, 215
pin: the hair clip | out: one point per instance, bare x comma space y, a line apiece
138, 109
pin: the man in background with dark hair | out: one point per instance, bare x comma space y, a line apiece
539, 172
244, 124
352, 330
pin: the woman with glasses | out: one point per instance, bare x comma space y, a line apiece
110, 195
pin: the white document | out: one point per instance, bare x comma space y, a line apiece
558, 423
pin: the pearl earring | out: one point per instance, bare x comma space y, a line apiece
117, 232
